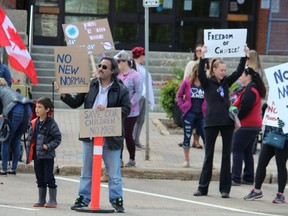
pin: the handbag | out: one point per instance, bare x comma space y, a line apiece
275, 139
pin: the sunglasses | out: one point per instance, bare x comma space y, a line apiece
198, 50
104, 67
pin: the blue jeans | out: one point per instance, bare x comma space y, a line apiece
190, 119
18, 123
112, 164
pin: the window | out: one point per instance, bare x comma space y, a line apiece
200, 8
87, 6
125, 32
45, 25
127, 6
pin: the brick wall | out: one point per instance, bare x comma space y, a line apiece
278, 43
262, 27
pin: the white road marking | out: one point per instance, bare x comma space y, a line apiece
13, 207
182, 200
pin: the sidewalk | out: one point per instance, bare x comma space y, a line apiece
165, 160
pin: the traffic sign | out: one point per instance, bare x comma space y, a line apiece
151, 3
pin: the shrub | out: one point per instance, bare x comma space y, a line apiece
169, 90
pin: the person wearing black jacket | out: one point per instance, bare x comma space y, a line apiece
105, 91
217, 120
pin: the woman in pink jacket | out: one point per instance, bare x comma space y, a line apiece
190, 99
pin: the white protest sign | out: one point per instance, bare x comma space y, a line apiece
270, 117
104, 123
225, 42
277, 78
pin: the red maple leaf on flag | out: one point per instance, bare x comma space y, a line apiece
15, 37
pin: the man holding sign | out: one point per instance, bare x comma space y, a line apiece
105, 91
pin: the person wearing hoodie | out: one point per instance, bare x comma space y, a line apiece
190, 99
217, 119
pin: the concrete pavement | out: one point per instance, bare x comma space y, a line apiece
166, 157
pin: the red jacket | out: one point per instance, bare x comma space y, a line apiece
248, 103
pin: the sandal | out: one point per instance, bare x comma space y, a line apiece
186, 164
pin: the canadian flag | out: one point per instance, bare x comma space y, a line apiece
18, 55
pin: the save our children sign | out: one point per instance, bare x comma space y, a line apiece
277, 78
106, 123
72, 69
95, 35
225, 42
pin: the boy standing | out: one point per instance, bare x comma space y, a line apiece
44, 137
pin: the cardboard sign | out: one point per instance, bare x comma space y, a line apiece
225, 42
106, 123
270, 117
72, 69
277, 78
95, 35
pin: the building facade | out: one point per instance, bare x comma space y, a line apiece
176, 25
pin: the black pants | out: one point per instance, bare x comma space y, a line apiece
266, 153
242, 149
211, 134
44, 172
129, 123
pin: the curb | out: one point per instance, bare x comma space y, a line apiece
144, 173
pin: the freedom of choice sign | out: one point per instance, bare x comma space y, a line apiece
277, 78
225, 42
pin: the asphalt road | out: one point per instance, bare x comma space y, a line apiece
141, 197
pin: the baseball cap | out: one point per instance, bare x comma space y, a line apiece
138, 51
123, 55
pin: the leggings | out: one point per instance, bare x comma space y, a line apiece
267, 152
129, 123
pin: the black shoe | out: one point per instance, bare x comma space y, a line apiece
246, 182
11, 172
199, 193
234, 183
79, 203
3, 173
118, 205
224, 195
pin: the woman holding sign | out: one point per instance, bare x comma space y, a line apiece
217, 119
266, 154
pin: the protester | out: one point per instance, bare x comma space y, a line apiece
254, 62
43, 138
190, 99
105, 91
196, 57
132, 80
217, 120
248, 103
5, 73
16, 111
138, 54
266, 154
